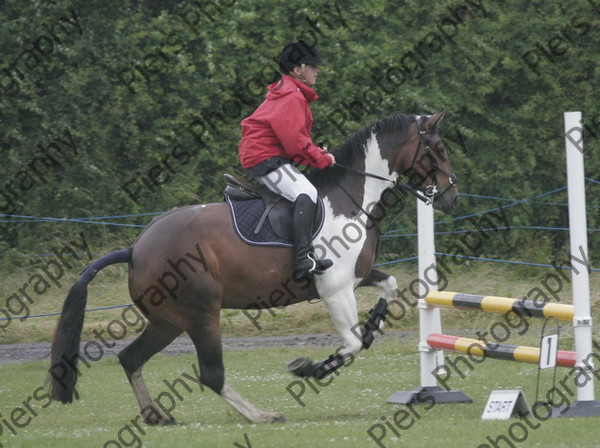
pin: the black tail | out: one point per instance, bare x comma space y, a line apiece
65, 347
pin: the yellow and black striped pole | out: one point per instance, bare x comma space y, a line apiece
500, 305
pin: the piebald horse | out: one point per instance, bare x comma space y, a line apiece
195, 255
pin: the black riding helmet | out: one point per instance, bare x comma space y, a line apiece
298, 53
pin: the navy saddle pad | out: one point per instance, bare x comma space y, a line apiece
261, 217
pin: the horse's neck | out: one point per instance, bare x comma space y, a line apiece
376, 165
380, 166
357, 196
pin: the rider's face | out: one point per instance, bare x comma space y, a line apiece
307, 73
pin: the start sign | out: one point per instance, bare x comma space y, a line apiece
504, 404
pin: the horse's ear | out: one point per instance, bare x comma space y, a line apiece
434, 120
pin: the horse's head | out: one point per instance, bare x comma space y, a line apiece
426, 162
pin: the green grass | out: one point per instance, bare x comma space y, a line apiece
338, 415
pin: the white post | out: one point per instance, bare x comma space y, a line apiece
432, 361
429, 317
582, 320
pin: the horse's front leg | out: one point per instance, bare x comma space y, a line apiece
343, 312
388, 291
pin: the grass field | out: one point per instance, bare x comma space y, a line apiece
340, 414
337, 414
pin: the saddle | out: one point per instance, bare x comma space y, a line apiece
261, 217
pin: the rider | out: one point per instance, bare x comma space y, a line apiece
277, 133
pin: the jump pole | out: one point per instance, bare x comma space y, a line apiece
429, 322
494, 350
499, 305
582, 319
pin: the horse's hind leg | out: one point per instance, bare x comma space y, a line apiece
156, 336
206, 335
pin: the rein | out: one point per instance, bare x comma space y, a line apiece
427, 198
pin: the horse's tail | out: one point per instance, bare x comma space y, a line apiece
65, 347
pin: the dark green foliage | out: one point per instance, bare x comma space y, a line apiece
206, 75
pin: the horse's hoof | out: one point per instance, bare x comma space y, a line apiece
302, 367
162, 422
278, 418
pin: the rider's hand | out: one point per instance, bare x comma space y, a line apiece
332, 159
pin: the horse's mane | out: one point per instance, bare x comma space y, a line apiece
353, 148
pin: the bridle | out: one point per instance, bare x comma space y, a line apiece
425, 194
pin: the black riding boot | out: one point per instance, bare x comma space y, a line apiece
304, 216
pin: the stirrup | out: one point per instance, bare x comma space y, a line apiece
319, 266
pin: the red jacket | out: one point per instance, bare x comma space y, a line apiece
281, 126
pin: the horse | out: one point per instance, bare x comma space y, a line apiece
189, 263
